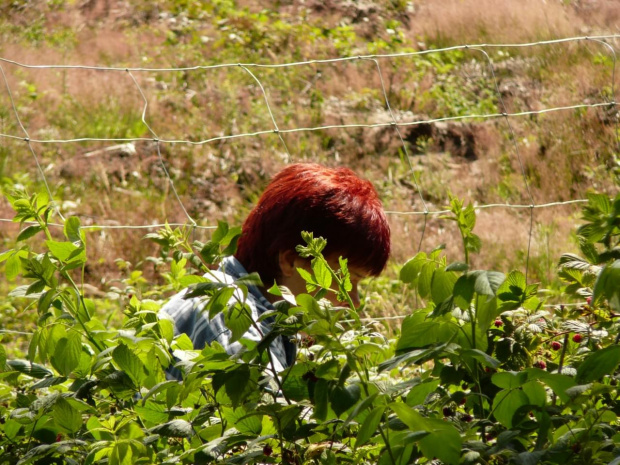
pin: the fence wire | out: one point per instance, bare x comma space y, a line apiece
376, 59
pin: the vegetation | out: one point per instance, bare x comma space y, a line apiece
481, 371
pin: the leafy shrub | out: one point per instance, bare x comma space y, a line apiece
481, 372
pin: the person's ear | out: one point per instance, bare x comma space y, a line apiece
287, 261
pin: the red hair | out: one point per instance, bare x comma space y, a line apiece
330, 202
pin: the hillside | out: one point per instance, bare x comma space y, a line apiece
480, 159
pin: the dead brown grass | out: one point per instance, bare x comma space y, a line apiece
561, 152
499, 21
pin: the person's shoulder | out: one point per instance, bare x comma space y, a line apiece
232, 267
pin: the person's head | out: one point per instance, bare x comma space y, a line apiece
333, 203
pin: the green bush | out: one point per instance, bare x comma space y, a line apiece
481, 371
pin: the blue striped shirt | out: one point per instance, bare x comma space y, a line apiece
188, 317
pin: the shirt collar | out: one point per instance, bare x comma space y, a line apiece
233, 267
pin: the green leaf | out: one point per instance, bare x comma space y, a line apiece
443, 307
488, 282
464, 338
464, 291
482, 357
360, 407
369, 426
419, 393
31, 369
28, 232
221, 232
238, 383
6, 254
66, 417
129, 363
509, 379
442, 285
343, 398
48, 382
322, 274
121, 454
159, 387
608, 285
220, 300
174, 429
419, 333
67, 353
557, 382
410, 270
295, 384
443, 440
50, 336
598, 364
72, 230
251, 279
36, 287
166, 329
311, 284
189, 279
2, 358
513, 287
320, 401
535, 393
45, 301
61, 250
474, 243
457, 266
152, 412
238, 320
425, 279
506, 403
328, 370
209, 252
589, 250
12, 428
232, 238
12, 267
486, 312
245, 421
368, 348
284, 292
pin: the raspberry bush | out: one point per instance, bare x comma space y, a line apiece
481, 371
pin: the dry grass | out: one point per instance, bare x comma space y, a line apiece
498, 21
564, 154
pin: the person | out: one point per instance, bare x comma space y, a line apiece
333, 203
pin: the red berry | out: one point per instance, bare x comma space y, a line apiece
467, 417
555, 345
589, 300
540, 364
267, 450
59, 437
448, 412
463, 400
498, 323
577, 338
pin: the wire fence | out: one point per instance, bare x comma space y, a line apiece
377, 61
